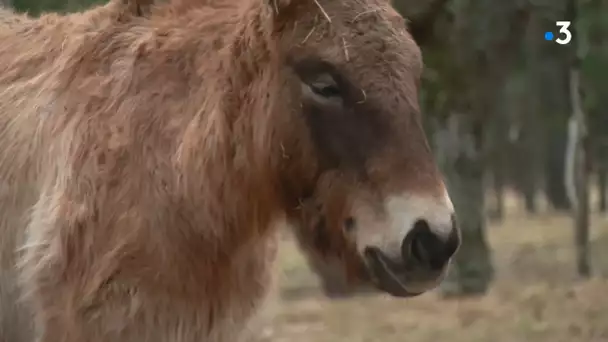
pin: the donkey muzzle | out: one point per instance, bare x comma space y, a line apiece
425, 256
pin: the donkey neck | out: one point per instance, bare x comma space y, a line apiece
228, 141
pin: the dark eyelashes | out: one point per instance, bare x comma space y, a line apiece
328, 91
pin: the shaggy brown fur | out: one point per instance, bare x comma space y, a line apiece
330, 253
147, 161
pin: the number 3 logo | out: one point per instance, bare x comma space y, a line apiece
563, 25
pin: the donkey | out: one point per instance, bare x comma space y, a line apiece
148, 162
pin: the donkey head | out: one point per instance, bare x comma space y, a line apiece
354, 145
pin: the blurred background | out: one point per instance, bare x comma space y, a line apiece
519, 125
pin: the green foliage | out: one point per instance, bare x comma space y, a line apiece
36, 7
594, 23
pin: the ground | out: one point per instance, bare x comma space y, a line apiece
536, 296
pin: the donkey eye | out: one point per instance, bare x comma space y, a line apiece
326, 90
325, 86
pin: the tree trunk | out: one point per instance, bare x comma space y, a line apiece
555, 190
497, 139
528, 156
601, 162
577, 178
459, 153
602, 178
530, 198
577, 171
498, 185
485, 36
595, 75
547, 67
531, 145
496, 175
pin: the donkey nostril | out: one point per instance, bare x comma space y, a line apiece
349, 224
427, 248
418, 250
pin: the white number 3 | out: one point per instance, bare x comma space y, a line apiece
564, 30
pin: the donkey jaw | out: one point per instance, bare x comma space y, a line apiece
398, 279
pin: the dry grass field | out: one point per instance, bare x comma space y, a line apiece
536, 296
